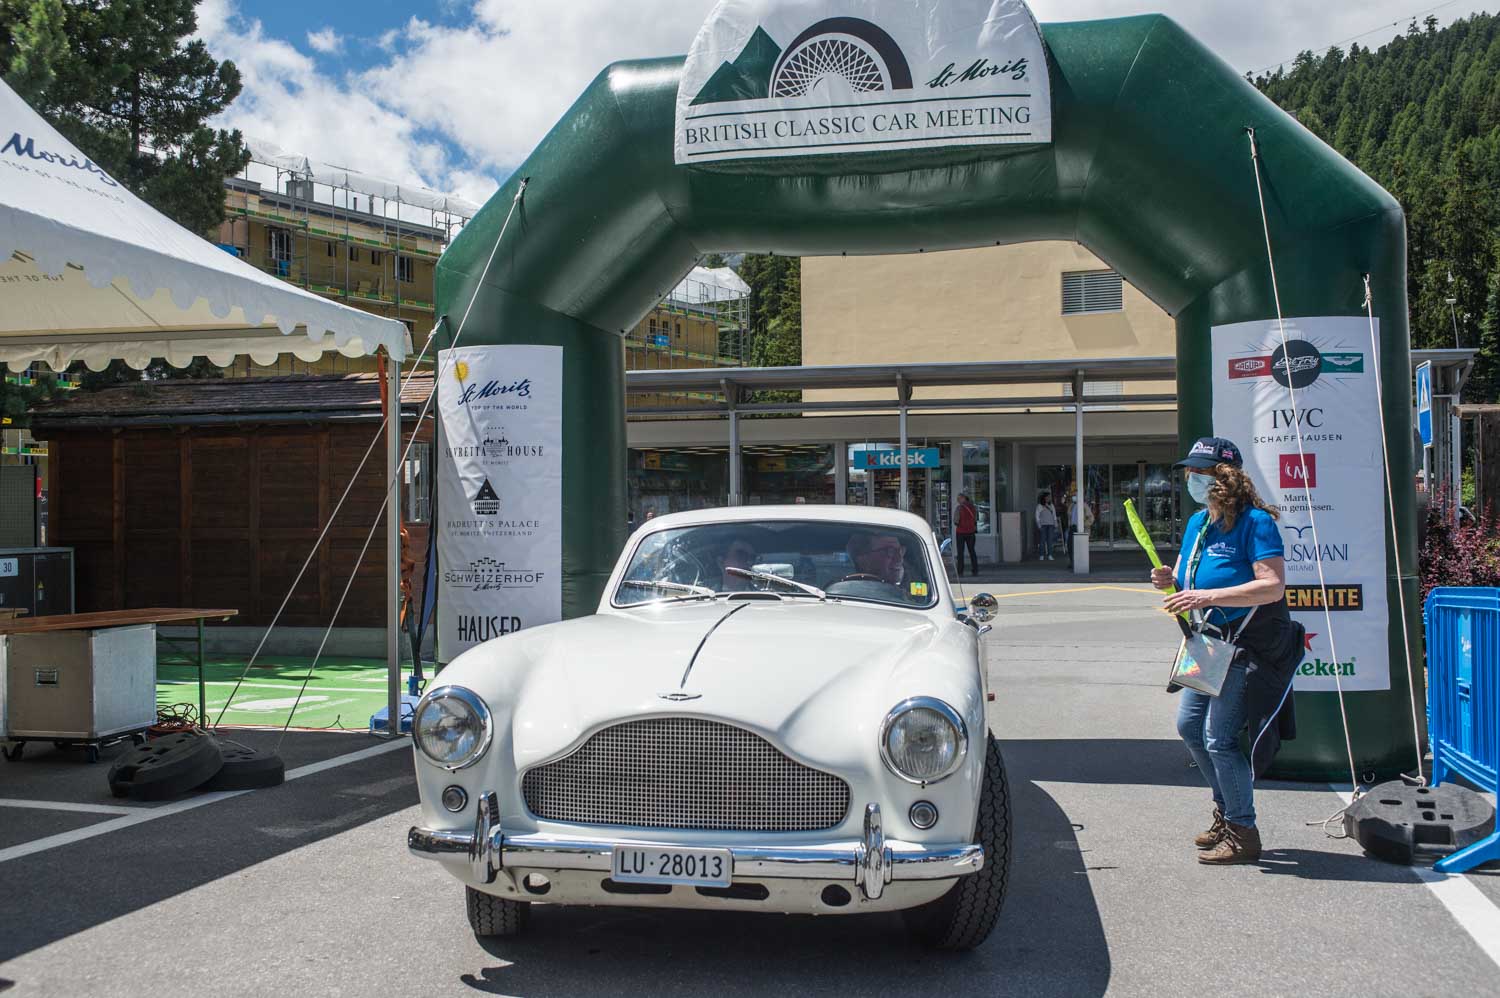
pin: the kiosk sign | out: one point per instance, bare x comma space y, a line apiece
782, 78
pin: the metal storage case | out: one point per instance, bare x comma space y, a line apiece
81, 685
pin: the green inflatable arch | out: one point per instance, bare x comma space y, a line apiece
1149, 168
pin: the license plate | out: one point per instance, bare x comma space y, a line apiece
670, 865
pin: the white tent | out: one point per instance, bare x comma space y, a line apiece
90, 272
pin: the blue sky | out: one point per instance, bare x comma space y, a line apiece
454, 94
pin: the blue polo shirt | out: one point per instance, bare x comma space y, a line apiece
1227, 558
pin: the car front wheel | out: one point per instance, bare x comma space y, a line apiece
491, 917
962, 918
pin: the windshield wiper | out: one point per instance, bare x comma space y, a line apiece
688, 590
768, 577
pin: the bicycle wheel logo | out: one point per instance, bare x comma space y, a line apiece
860, 55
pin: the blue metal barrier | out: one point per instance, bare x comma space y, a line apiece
1463, 700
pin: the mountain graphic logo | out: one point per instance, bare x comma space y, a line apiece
860, 54
486, 501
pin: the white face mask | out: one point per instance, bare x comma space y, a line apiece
1198, 486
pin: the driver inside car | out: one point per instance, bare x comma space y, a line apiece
739, 554
878, 555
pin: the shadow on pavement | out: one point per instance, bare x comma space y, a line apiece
74, 887
1050, 940
1151, 762
1308, 864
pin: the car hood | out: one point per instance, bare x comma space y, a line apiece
773, 666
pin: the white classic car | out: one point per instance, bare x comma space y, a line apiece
775, 709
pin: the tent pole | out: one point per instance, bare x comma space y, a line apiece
393, 546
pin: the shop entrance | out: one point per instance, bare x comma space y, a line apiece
1153, 487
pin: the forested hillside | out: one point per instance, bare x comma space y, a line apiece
1421, 115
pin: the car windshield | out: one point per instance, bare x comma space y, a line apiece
836, 560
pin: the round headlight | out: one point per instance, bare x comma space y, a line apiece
452, 727
923, 740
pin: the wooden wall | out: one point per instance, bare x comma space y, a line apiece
224, 518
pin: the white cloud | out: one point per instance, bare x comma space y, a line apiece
289, 100
458, 106
326, 41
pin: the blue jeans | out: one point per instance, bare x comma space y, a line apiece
1049, 540
1211, 728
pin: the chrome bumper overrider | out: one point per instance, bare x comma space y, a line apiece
871, 862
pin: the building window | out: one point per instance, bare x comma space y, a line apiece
403, 269
1088, 291
353, 254
375, 257
1096, 389
415, 483
330, 248
279, 244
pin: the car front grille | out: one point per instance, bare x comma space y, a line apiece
685, 772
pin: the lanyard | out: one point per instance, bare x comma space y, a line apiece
1197, 555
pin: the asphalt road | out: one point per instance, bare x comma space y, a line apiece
307, 889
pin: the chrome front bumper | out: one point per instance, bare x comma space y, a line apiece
871, 862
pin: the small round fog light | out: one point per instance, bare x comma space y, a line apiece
923, 815
454, 799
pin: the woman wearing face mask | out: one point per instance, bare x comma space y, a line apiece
1231, 562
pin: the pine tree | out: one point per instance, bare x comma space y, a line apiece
1421, 115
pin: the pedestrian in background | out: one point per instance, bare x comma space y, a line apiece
1046, 525
965, 526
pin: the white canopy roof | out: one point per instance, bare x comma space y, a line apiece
706, 284
90, 272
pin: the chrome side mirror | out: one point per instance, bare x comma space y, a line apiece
983, 607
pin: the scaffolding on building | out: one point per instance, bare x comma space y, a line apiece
715, 303
320, 203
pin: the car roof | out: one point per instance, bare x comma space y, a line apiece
873, 515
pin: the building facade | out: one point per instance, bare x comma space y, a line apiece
1035, 302
335, 244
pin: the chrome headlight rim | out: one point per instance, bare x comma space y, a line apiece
939, 707
473, 702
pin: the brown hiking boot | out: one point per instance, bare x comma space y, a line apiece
1210, 838
1238, 845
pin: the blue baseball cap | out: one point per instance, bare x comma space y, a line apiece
1210, 451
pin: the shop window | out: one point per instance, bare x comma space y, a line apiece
416, 484
1086, 292
788, 474
403, 269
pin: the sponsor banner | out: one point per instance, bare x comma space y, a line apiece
1333, 479
499, 493
788, 78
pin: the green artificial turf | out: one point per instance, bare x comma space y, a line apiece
342, 693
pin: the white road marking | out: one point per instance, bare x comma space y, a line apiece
1475, 913
139, 816
58, 805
